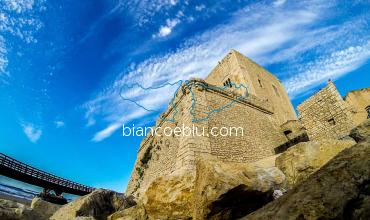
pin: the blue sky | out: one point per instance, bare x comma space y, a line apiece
63, 65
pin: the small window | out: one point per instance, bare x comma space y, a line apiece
276, 91
331, 121
259, 81
368, 111
287, 132
228, 83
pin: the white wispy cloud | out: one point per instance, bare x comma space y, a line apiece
328, 67
142, 11
200, 7
59, 124
279, 2
165, 30
111, 128
3, 56
32, 132
18, 6
18, 18
273, 35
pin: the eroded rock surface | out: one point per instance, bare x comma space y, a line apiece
339, 190
232, 190
44, 208
136, 212
303, 159
98, 204
10, 210
361, 132
216, 191
170, 196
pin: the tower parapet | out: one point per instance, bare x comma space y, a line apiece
238, 69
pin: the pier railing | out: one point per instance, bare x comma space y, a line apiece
18, 170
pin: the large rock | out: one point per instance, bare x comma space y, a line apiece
339, 190
136, 212
44, 208
303, 159
10, 210
266, 162
225, 190
83, 218
98, 204
361, 132
170, 196
217, 190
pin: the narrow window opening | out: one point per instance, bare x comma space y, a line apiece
228, 83
368, 111
287, 132
259, 81
331, 121
276, 91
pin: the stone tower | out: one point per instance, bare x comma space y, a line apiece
264, 115
238, 69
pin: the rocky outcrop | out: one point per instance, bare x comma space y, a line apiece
43, 208
339, 190
170, 196
303, 159
266, 162
136, 212
10, 210
83, 218
98, 204
232, 190
330, 179
361, 132
216, 191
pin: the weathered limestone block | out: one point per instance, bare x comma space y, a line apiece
136, 212
10, 210
266, 162
98, 204
303, 159
339, 190
361, 132
218, 190
326, 115
230, 190
170, 196
83, 218
44, 208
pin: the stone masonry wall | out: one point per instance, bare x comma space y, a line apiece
259, 82
170, 153
261, 131
160, 152
194, 108
326, 115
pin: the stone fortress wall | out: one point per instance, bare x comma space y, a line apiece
164, 155
263, 110
326, 114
